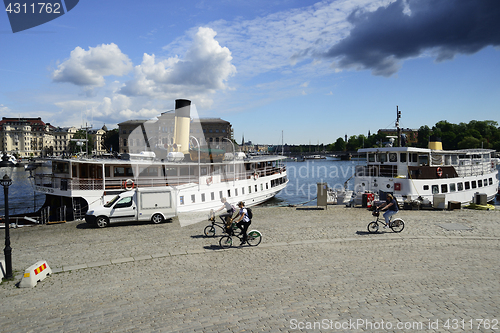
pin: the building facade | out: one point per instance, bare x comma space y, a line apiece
26, 137
140, 135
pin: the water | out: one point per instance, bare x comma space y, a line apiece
304, 176
301, 189
22, 198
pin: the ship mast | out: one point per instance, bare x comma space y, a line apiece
398, 115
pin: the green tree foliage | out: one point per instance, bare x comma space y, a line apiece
111, 140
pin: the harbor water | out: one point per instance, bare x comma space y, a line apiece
301, 189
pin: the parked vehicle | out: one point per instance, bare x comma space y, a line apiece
139, 204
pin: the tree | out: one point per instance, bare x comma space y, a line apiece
339, 144
424, 132
112, 140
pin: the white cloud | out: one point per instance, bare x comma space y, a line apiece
204, 69
283, 39
4, 109
88, 68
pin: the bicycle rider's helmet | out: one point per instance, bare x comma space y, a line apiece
376, 213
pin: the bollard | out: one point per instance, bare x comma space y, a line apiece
34, 274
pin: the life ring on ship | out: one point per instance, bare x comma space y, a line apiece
439, 172
128, 184
255, 176
209, 180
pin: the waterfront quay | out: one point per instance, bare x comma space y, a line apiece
316, 270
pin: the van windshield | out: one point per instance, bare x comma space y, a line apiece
110, 203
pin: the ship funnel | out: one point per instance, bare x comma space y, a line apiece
182, 125
435, 143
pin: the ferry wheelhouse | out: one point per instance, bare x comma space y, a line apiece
411, 173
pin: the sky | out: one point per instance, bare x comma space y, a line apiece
302, 71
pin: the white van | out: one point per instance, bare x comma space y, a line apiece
140, 204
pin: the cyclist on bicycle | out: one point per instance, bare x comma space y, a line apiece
243, 222
391, 205
229, 211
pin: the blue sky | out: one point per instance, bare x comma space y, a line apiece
314, 70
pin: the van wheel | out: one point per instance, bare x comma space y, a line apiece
157, 218
102, 221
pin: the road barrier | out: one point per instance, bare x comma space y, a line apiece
2, 269
34, 274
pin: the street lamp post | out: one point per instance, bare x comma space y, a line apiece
6, 182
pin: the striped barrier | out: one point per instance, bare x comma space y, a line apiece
2, 269
34, 274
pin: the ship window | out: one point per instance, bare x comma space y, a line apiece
452, 187
402, 157
444, 188
170, 172
460, 186
212, 196
235, 192
426, 187
435, 189
261, 187
485, 182
255, 188
267, 186
414, 158
423, 159
123, 171
151, 172
491, 181
249, 189
220, 194
229, 193
479, 183
193, 198
203, 197
203, 171
467, 185
474, 185
382, 157
371, 157
107, 171
393, 157
242, 191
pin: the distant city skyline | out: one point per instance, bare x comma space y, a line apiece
314, 70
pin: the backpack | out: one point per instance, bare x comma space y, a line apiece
249, 213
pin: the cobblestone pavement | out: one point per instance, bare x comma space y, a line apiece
316, 270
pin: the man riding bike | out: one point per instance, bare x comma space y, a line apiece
391, 205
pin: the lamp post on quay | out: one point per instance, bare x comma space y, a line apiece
6, 181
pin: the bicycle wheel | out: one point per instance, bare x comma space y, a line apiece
209, 231
226, 242
397, 225
254, 238
372, 227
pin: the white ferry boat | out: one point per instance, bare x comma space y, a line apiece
411, 173
199, 177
